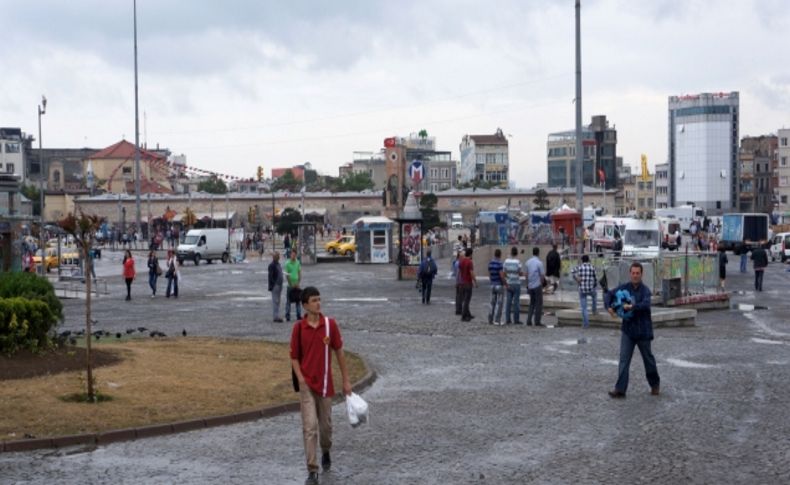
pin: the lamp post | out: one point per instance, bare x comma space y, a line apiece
42, 109
136, 131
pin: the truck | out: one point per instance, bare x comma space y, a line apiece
741, 232
685, 214
206, 244
456, 221
642, 238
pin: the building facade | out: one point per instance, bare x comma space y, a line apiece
661, 183
645, 194
12, 154
374, 164
756, 158
703, 150
485, 158
782, 185
599, 141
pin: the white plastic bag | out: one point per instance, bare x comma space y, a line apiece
357, 410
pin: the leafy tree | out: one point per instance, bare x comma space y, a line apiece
423, 133
357, 182
33, 194
83, 229
288, 182
430, 215
541, 200
214, 185
286, 221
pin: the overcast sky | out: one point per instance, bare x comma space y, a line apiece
242, 83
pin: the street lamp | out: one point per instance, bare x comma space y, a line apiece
42, 109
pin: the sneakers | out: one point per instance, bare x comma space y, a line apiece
312, 479
326, 461
655, 391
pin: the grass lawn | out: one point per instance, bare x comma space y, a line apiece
153, 381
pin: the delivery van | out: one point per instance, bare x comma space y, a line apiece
206, 244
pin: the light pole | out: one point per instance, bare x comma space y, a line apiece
42, 109
136, 130
578, 99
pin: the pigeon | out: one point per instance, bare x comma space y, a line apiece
184, 332
98, 337
141, 329
73, 341
81, 332
118, 335
129, 330
65, 334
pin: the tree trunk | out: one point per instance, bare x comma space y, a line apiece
88, 335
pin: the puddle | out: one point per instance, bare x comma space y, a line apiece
766, 341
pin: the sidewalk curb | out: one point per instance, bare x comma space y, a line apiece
129, 434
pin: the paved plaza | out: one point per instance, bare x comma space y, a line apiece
464, 402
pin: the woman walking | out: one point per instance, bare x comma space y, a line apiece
153, 271
172, 274
128, 272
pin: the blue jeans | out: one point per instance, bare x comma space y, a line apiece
627, 345
497, 295
152, 277
277, 292
297, 305
744, 260
513, 305
427, 284
583, 301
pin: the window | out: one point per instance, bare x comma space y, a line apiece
12, 148
490, 157
783, 141
783, 161
434, 173
127, 170
784, 199
9, 167
650, 202
434, 187
445, 173
379, 237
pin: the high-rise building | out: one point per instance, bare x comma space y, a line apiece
485, 158
600, 155
662, 185
782, 185
756, 157
703, 150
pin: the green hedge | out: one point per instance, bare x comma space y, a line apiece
24, 324
32, 287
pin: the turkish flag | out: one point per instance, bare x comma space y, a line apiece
601, 176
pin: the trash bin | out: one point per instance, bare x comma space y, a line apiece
671, 288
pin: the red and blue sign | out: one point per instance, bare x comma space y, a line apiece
416, 171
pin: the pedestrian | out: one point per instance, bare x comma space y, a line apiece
513, 274
172, 274
553, 264
618, 244
311, 361
632, 300
287, 243
536, 276
153, 271
497, 278
128, 272
722, 267
466, 270
760, 261
585, 276
293, 275
744, 259
427, 273
459, 296
276, 285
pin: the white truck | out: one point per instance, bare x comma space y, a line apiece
456, 221
685, 214
642, 238
206, 244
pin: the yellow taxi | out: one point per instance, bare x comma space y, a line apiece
69, 255
345, 245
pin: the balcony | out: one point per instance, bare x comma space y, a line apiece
746, 195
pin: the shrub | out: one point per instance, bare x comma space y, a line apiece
24, 324
32, 287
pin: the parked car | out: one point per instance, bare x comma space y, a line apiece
340, 246
780, 247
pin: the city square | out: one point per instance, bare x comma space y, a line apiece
458, 402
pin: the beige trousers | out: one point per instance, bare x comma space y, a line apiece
316, 422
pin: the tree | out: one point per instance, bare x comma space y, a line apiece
541, 200
286, 222
288, 182
357, 182
32, 193
83, 229
423, 133
430, 216
214, 185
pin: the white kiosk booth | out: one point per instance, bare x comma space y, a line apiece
374, 239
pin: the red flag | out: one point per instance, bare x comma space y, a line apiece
601, 176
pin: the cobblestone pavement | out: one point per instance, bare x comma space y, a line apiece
466, 402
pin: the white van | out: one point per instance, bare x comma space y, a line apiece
642, 238
780, 246
207, 244
457, 221
670, 233
605, 231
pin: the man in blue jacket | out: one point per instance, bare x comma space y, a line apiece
631, 302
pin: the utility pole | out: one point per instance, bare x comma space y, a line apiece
136, 130
42, 108
579, 145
